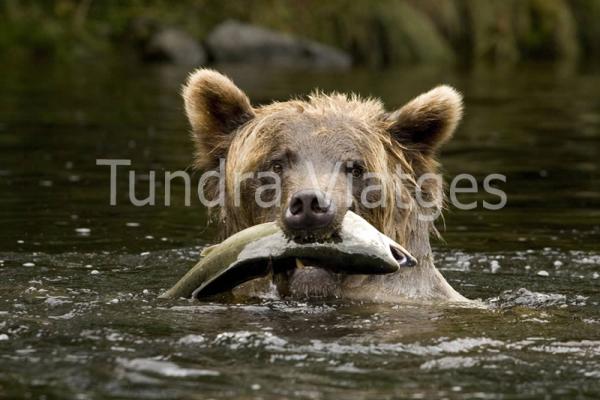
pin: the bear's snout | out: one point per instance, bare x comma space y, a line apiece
309, 211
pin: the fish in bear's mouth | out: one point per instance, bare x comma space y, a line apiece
356, 248
314, 277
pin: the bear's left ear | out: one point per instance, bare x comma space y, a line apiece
427, 121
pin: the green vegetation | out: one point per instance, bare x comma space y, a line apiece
375, 33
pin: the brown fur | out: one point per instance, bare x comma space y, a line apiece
323, 129
215, 107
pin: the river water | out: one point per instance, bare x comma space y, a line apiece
79, 278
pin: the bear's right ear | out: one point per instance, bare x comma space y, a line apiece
215, 107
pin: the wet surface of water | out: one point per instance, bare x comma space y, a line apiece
79, 278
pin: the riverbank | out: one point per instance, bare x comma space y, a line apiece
373, 34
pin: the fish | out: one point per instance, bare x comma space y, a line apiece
356, 248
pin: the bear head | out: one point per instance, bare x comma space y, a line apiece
308, 161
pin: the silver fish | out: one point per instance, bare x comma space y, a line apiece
358, 248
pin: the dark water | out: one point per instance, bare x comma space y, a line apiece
79, 279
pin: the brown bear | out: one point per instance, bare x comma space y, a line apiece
376, 158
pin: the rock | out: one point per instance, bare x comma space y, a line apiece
235, 42
176, 46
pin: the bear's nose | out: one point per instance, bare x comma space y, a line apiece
309, 209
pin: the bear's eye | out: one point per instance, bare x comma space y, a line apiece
277, 167
357, 171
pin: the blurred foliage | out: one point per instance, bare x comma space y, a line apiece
376, 33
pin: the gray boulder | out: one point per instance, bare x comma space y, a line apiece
236, 42
175, 46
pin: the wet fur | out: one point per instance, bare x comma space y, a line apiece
340, 126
